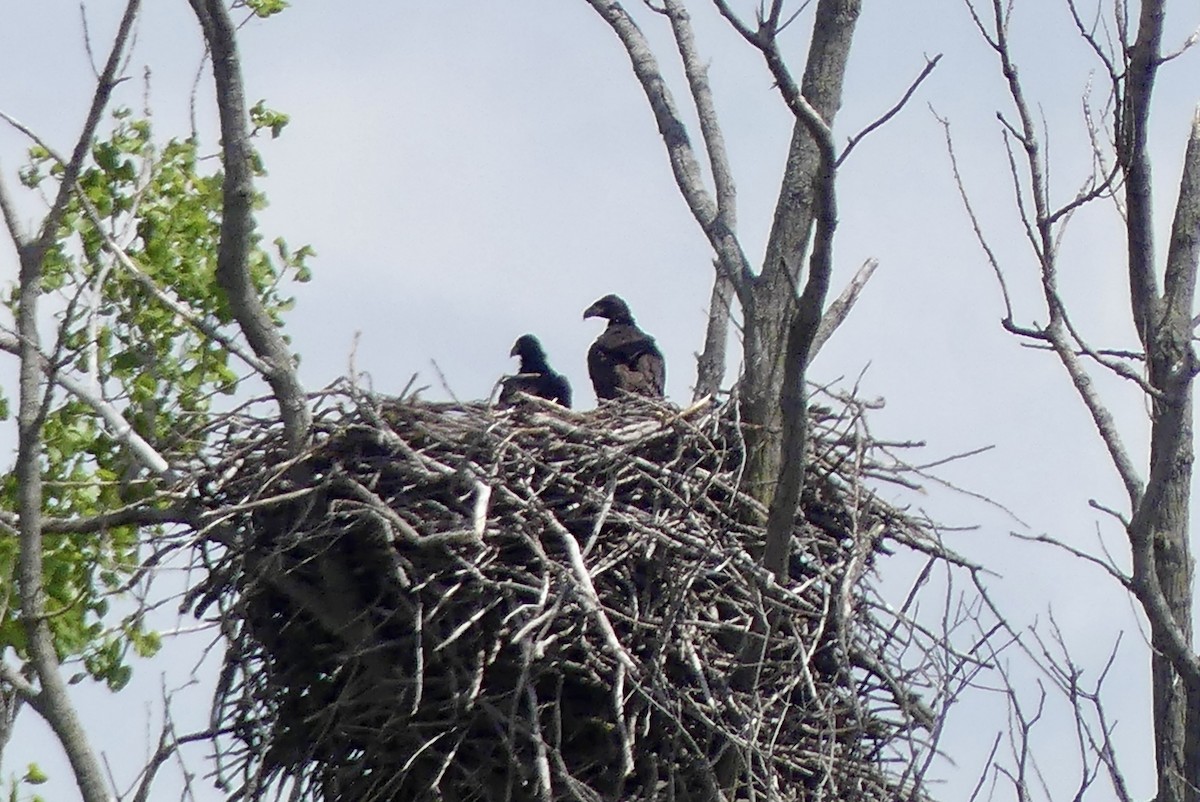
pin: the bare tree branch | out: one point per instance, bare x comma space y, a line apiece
683, 161
735, 21
1157, 529
1096, 505
1183, 253
1132, 123
1039, 228
1101, 416
169, 743
132, 515
710, 128
1102, 52
1125, 581
11, 677
10, 217
839, 310
1114, 365
976, 227
237, 225
892, 112
711, 363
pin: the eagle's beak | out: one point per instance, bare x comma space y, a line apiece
592, 311
514, 352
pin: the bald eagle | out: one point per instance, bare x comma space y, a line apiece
536, 377
623, 358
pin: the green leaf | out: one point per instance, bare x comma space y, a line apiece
266, 8
34, 775
160, 373
146, 644
119, 677
262, 117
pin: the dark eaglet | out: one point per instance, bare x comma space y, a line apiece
623, 358
536, 376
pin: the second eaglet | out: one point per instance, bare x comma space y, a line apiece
623, 358
536, 376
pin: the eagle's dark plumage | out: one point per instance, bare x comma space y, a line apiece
536, 376
623, 357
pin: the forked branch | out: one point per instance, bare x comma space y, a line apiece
714, 220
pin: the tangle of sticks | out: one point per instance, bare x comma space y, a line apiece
454, 602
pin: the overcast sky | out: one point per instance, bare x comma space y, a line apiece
469, 171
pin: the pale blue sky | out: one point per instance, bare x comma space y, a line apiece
468, 171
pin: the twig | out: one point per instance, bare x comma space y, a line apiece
930, 64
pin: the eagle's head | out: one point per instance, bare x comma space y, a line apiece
529, 349
612, 307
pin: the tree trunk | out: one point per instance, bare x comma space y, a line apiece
1163, 514
1165, 327
1164, 521
772, 304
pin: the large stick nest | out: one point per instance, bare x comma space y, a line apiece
448, 601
